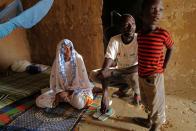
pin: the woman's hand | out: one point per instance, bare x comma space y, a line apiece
62, 97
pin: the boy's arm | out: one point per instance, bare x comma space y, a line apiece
169, 43
167, 57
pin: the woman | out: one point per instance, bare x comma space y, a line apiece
68, 80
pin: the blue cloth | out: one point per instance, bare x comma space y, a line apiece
11, 11
27, 18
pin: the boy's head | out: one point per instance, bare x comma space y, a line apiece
152, 11
127, 25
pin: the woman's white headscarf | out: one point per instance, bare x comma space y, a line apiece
61, 61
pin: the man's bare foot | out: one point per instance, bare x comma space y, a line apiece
118, 94
97, 90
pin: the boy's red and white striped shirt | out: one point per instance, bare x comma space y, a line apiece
151, 51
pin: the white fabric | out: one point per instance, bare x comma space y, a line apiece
20, 65
61, 78
77, 99
46, 100
126, 55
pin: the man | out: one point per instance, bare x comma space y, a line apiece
120, 64
110, 16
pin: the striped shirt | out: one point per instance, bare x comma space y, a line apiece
151, 51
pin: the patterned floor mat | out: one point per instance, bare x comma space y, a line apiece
61, 118
17, 86
10, 112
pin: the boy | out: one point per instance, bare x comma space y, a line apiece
122, 48
151, 64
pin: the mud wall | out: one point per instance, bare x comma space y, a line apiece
179, 19
77, 20
13, 47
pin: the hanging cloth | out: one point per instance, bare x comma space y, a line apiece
26, 19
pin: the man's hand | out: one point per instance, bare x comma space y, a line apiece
103, 74
106, 72
105, 103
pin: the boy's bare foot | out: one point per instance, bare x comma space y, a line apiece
155, 127
143, 122
136, 99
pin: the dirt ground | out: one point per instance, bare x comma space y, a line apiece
180, 109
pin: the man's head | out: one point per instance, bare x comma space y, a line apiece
152, 11
128, 26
